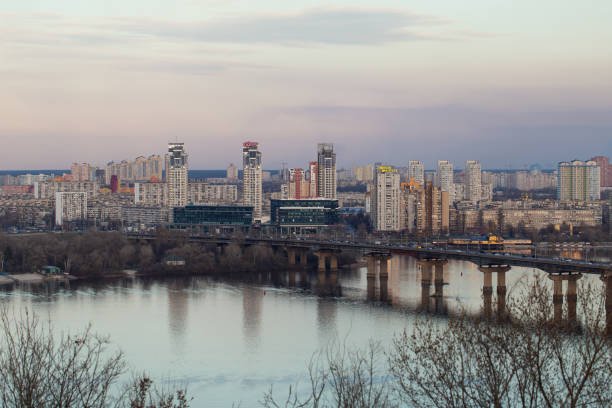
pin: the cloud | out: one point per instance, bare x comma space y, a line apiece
316, 25
324, 25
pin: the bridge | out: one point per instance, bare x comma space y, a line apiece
480, 258
432, 261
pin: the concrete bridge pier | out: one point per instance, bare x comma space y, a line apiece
321, 264
303, 257
557, 297
294, 253
292, 278
323, 255
291, 255
487, 288
333, 261
439, 277
501, 293
425, 284
571, 296
384, 277
371, 276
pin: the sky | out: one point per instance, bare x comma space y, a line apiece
509, 83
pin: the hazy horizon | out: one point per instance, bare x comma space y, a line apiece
506, 83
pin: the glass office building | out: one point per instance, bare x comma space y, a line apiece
213, 215
304, 213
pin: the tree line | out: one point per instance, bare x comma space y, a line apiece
98, 254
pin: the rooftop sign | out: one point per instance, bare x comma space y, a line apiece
387, 169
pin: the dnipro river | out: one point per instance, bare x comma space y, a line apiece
230, 340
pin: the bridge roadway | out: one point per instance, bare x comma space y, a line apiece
550, 265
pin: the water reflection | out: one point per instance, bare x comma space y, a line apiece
231, 338
178, 306
252, 306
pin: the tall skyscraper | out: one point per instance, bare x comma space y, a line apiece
176, 174
314, 185
578, 181
385, 204
473, 181
326, 168
432, 209
251, 188
444, 177
605, 170
416, 171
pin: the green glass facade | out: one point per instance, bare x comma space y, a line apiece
304, 212
213, 215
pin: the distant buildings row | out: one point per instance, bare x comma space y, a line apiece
425, 206
141, 169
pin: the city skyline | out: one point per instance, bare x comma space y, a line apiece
505, 84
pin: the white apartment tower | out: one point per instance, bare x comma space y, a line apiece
473, 181
70, 206
416, 171
386, 200
444, 177
251, 187
326, 169
176, 174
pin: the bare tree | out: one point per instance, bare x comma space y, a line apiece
41, 369
527, 360
531, 361
342, 377
143, 394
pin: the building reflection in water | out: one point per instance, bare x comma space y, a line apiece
424, 269
327, 287
252, 306
178, 308
393, 285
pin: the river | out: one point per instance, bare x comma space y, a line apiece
229, 340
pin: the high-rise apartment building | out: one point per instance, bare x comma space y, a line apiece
385, 204
48, 189
578, 181
141, 169
205, 193
432, 210
70, 206
473, 181
445, 177
605, 170
251, 188
176, 174
82, 172
416, 171
364, 173
314, 185
326, 168
298, 187
409, 195
151, 194
232, 172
